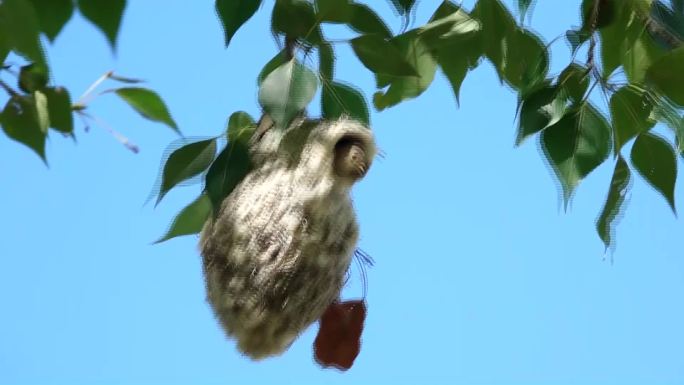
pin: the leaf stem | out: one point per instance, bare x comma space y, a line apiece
87, 94
117, 135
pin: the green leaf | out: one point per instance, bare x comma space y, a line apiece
576, 38
630, 110
59, 109
448, 25
497, 23
241, 126
619, 185
19, 24
456, 59
527, 61
576, 145
234, 13
53, 15
297, 19
640, 57
340, 99
185, 163
365, 21
457, 50
664, 111
105, 15
655, 159
540, 109
382, 56
229, 168
20, 122
667, 75
418, 56
275, 62
607, 10
4, 43
620, 35
669, 23
326, 62
286, 91
574, 81
403, 6
124, 79
148, 104
334, 11
32, 77
190, 220
523, 6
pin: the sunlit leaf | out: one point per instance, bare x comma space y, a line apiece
340, 99
655, 159
667, 75
418, 56
190, 220
630, 111
241, 125
105, 15
287, 90
619, 185
365, 21
233, 14
42, 113
576, 145
185, 163
21, 122
59, 108
275, 62
148, 104
382, 56
19, 24
52, 15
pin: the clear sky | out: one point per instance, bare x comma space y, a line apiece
480, 277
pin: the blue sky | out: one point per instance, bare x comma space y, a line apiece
480, 277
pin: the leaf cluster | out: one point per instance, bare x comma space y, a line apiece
35, 106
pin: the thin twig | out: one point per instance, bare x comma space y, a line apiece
8, 89
592, 38
82, 100
118, 136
